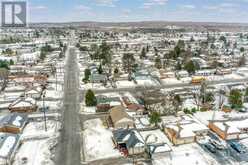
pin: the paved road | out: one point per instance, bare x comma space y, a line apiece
168, 86
69, 146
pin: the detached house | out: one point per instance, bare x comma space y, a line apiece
128, 141
185, 129
34, 92
13, 123
232, 128
23, 105
120, 118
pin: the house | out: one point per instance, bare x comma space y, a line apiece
34, 92
223, 71
13, 123
120, 118
205, 72
157, 142
128, 141
137, 108
104, 103
8, 146
23, 105
184, 129
98, 78
235, 127
182, 74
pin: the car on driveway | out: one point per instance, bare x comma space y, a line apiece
237, 147
210, 147
217, 144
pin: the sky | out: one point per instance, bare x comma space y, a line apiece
233, 11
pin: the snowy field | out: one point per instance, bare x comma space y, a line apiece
125, 84
98, 86
53, 105
170, 81
36, 130
189, 154
88, 110
37, 144
97, 141
36, 152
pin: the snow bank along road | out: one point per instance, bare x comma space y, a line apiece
168, 86
69, 146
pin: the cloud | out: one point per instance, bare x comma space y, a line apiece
107, 3
187, 7
224, 7
150, 3
82, 7
126, 13
39, 7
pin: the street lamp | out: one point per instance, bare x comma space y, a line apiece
44, 109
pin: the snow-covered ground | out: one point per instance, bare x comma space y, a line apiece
53, 105
37, 144
125, 84
36, 152
170, 81
189, 154
36, 130
92, 86
97, 141
88, 110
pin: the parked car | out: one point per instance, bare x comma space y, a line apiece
243, 109
216, 144
210, 147
237, 147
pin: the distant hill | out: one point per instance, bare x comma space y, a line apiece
197, 26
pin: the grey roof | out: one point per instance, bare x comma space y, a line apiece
132, 140
98, 77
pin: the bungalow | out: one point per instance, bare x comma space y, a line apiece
104, 103
182, 74
120, 118
157, 142
13, 123
23, 105
34, 92
98, 78
232, 128
129, 141
184, 129
223, 71
205, 72
8, 146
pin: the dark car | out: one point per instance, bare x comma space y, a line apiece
237, 147
216, 144
210, 147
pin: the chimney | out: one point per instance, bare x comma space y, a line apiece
179, 129
226, 128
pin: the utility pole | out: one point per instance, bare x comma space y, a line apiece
44, 110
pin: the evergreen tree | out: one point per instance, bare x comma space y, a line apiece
190, 67
100, 71
143, 53
128, 62
158, 63
155, 118
90, 98
235, 98
86, 75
